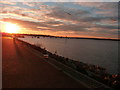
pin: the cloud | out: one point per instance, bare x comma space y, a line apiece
107, 26
73, 18
31, 4
61, 0
99, 19
27, 24
66, 13
91, 12
6, 2
105, 8
53, 22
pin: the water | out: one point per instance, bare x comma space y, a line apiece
98, 52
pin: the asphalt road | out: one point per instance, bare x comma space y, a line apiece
24, 69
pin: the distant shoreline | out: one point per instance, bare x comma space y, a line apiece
37, 35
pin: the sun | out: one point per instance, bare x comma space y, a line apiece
11, 28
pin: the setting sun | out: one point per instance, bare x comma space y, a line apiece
11, 28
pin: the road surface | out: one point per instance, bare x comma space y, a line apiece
24, 69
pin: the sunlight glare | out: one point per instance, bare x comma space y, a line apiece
11, 28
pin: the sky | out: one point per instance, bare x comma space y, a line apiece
71, 19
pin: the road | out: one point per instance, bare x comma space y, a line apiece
24, 69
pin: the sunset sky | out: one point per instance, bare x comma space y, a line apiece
74, 19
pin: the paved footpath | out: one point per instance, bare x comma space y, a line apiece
24, 69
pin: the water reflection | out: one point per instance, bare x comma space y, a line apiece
98, 52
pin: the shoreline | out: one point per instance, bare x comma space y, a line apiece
96, 72
50, 36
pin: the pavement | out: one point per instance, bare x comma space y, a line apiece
22, 68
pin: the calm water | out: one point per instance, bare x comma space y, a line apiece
99, 52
